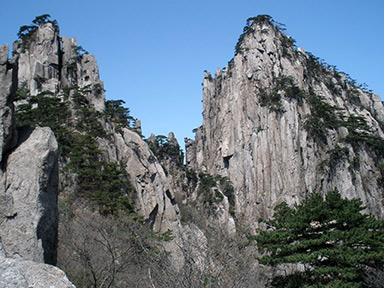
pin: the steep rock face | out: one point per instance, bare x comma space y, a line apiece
257, 127
53, 66
154, 195
7, 122
79, 68
24, 274
38, 65
48, 62
29, 175
28, 226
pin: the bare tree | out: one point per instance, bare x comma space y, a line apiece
99, 251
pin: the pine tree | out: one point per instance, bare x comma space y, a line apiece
330, 239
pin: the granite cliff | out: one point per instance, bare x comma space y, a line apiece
281, 123
28, 208
82, 189
57, 138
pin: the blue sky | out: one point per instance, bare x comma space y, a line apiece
152, 54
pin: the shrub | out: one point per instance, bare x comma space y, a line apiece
323, 117
331, 238
106, 183
118, 114
164, 150
25, 32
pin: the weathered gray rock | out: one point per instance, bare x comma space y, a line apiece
17, 273
38, 65
7, 125
155, 198
28, 210
171, 139
80, 69
264, 149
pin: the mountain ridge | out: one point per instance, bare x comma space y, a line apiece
278, 124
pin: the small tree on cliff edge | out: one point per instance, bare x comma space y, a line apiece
331, 241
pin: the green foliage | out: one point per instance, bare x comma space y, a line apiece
164, 150
288, 44
381, 169
282, 85
112, 189
338, 153
260, 19
166, 236
316, 67
227, 187
323, 117
212, 189
21, 94
106, 183
26, 31
208, 189
359, 132
332, 240
207, 181
361, 135
89, 122
292, 91
248, 29
80, 51
42, 19
286, 41
44, 110
191, 176
271, 100
118, 114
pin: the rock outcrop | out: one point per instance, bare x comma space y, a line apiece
25, 274
37, 60
29, 216
28, 177
29, 174
47, 65
278, 124
7, 124
154, 194
54, 64
281, 124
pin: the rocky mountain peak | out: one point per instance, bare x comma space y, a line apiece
48, 62
278, 122
261, 33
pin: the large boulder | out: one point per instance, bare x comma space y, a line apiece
28, 206
17, 273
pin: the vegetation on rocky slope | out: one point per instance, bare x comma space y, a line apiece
331, 242
104, 182
111, 246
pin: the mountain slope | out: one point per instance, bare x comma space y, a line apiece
108, 206
280, 123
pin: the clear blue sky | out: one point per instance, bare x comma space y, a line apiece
152, 54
